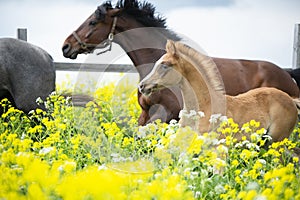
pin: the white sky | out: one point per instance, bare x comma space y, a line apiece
249, 29
252, 29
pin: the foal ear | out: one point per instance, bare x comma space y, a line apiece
170, 47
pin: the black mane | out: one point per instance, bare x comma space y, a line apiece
143, 12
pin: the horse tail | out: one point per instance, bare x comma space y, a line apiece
295, 74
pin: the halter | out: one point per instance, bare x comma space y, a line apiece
102, 45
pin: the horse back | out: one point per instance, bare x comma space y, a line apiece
240, 76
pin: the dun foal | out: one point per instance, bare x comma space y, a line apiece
202, 90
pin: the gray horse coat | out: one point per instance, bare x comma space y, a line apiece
26, 73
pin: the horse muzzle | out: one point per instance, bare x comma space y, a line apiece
147, 89
68, 52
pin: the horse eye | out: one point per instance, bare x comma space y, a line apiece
165, 67
92, 23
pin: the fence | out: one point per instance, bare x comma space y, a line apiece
296, 50
22, 35
88, 67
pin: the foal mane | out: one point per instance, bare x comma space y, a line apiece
204, 64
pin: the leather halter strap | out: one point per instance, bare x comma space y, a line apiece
102, 45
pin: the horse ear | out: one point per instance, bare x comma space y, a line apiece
101, 12
170, 47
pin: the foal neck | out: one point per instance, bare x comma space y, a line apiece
198, 95
195, 92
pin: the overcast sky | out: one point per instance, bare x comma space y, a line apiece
252, 29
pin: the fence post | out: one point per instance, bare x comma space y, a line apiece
22, 34
296, 47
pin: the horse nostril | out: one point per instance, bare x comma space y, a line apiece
66, 48
141, 87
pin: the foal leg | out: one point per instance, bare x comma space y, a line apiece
282, 128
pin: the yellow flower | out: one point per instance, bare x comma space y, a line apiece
261, 131
246, 155
242, 195
258, 165
68, 166
288, 193
253, 174
39, 111
235, 163
36, 129
229, 140
275, 145
237, 172
295, 159
127, 141
255, 124
267, 192
196, 145
250, 195
36, 192
238, 180
273, 153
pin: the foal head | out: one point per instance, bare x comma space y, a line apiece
167, 72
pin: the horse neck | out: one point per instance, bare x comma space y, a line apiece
143, 45
144, 59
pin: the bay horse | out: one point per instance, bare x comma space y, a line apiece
26, 73
195, 74
127, 24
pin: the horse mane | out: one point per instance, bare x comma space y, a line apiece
142, 11
204, 64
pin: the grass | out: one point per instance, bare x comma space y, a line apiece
99, 152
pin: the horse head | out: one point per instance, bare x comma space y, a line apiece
95, 32
98, 30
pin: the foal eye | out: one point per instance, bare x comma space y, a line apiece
165, 67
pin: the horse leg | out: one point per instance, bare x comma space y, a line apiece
25, 93
282, 128
26, 103
144, 117
158, 111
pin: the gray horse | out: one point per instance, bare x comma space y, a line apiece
26, 73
